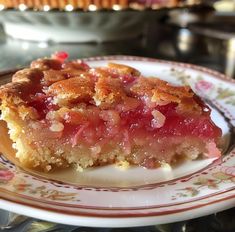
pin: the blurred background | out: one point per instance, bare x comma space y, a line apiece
192, 31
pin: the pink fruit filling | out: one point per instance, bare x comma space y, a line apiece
71, 114
138, 127
134, 121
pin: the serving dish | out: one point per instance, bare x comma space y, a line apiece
109, 197
71, 27
96, 21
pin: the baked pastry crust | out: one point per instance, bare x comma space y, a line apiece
88, 5
79, 85
67, 113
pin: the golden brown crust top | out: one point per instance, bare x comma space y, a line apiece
28, 75
72, 90
108, 91
24, 83
74, 82
11, 91
52, 76
123, 69
46, 64
145, 86
161, 92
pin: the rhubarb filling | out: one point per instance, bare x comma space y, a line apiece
69, 114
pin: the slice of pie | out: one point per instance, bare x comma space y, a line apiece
64, 113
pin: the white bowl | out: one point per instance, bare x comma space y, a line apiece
57, 26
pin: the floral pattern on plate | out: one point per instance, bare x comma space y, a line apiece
200, 187
224, 175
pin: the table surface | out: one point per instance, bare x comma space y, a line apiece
16, 53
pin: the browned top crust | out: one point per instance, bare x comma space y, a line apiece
46, 64
72, 82
73, 89
123, 69
109, 91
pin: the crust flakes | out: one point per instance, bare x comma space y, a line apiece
74, 82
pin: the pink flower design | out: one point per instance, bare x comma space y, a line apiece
230, 171
6, 175
203, 86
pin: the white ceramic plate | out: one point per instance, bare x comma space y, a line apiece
109, 197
